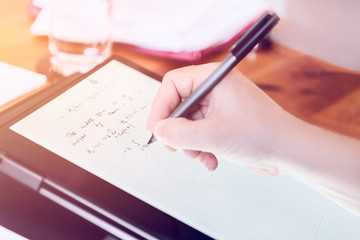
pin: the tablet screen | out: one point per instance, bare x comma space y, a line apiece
99, 125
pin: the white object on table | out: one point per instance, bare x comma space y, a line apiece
174, 26
9, 235
16, 81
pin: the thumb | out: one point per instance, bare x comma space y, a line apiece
182, 133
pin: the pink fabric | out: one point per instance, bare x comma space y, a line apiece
195, 56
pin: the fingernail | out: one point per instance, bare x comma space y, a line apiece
211, 163
206, 164
158, 131
211, 167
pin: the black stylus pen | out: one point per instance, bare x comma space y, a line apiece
238, 51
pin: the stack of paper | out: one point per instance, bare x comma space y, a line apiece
182, 29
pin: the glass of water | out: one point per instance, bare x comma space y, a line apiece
79, 34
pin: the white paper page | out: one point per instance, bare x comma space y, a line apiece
15, 81
99, 125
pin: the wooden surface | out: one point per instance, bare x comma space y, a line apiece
312, 90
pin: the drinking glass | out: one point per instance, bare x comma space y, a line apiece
79, 34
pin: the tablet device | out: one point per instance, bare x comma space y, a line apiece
82, 144
51, 175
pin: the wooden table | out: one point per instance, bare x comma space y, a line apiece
312, 90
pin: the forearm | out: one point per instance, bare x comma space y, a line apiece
327, 161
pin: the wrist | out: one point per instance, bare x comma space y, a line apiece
316, 156
293, 141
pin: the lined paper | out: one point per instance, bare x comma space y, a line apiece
99, 125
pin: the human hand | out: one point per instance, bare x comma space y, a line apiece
236, 121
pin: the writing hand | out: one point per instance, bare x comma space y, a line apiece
239, 122
233, 122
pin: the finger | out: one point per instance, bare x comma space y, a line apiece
181, 133
199, 114
171, 149
209, 160
177, 85
267, 172
192, 154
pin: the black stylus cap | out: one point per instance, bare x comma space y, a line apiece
254, 35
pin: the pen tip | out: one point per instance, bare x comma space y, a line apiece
151, 140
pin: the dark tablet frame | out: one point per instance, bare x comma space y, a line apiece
51, 166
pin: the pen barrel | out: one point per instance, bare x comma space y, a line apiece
205, 87
254, 35
240, 49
